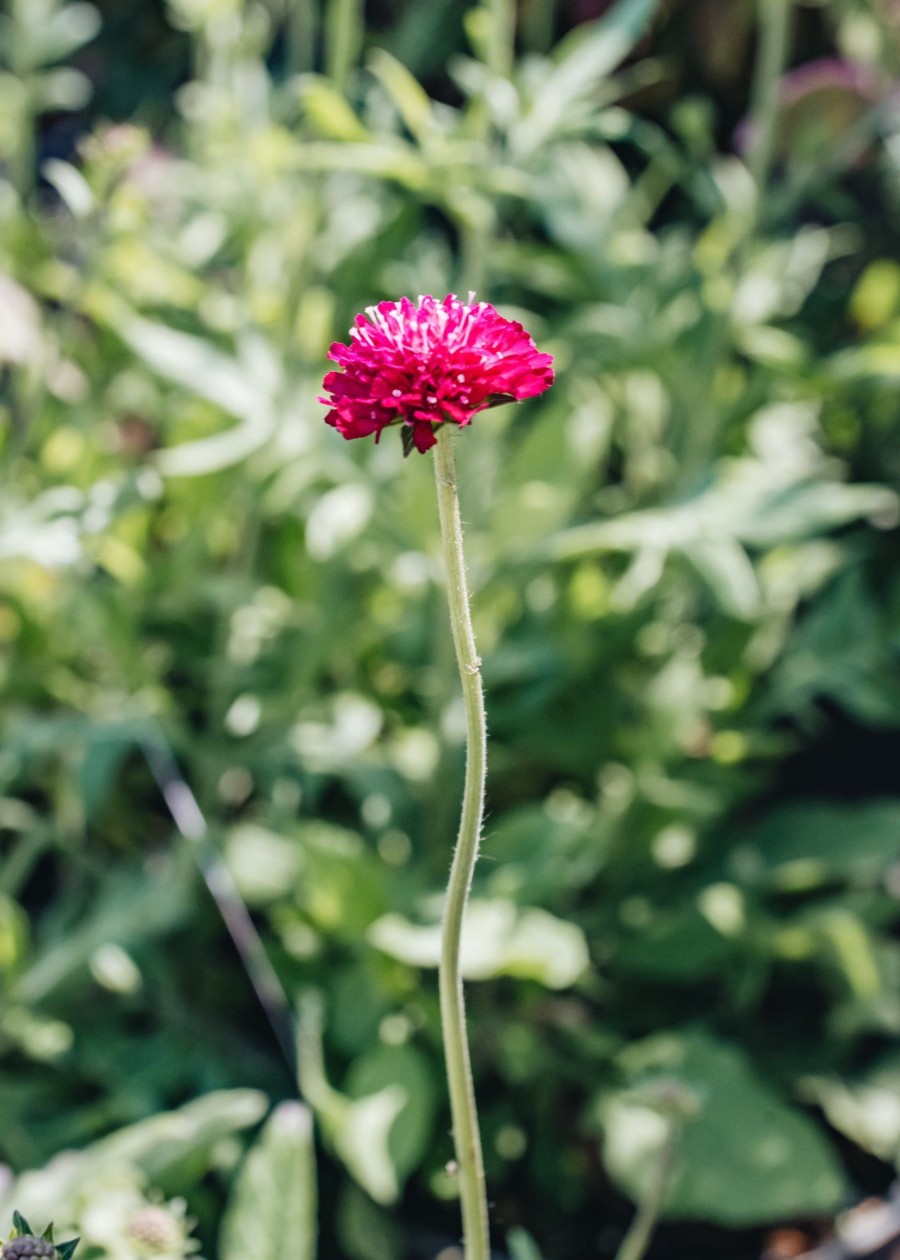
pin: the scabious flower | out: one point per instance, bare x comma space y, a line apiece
429, 363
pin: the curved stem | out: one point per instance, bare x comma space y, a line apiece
466, 1137
640, 1234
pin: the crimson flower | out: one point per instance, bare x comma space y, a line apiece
425, 364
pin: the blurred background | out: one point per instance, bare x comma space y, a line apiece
228, 699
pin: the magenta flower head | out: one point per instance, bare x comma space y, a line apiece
429, 363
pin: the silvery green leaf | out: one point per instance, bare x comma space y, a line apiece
582, 61
64, 88
746, 1156
499, 939
71, 186
69, 28
271, 1213
522, 1246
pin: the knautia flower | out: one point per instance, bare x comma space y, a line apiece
426, 367
24, 1244
29, 1248
424, 364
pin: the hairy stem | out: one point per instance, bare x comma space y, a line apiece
464, 1114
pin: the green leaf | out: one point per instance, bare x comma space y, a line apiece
97, 773
194, 363
499, 939
385, 159
410, 1136
678, 946
70, 28
605, 43
266, 866
131, 907
20, 1225
365, 1230
271, 1214
13, 935
242, 386
581, 61
361, 1133
158, 1145
64, 88
412, 101
809, 508
745, 1158
724, 565
328, 112
866, 1108
71, 186
67, 1249
358, 1130
522, 1246
809, 843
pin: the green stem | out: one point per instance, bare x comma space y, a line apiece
343, 39
463, 1111
765, 105
538, 24
302, 27
502, 36
643, 1227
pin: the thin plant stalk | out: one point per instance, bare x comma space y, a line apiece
302, 31
192, 825
538, 24
765, 104
773, 52
343, 39
466, 1136
640, 1234
502, 36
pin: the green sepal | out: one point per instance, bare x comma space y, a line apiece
21, 1226
406, 437
48, 1233
67, 1249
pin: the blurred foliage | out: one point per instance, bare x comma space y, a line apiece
686, 600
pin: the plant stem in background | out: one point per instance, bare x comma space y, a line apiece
302, 28
643, 1227
344, 26
703, 433
476, 214
538, 24
765, 103
466, 1137
501, 40
192, 825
